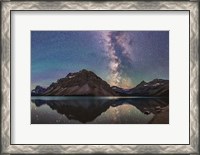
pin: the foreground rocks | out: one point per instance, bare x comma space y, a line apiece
162, 117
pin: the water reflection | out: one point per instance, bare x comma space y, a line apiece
96, 110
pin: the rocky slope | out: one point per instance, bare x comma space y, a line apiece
38, 91
80, 83
87, 83
120, 91
156, 87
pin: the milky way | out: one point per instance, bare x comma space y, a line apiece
122, 58
112, 40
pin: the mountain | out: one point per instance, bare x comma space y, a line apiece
38, 91
141, 84
119, 91
79, 84
156, 87
87, 83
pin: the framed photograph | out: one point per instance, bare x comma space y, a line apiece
90, 77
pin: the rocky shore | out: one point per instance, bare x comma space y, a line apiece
162, 117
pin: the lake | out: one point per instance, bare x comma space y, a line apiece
99, 110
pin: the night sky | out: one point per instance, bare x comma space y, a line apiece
122, 58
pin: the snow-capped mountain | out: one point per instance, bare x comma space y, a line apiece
156, 87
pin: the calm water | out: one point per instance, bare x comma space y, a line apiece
98, 110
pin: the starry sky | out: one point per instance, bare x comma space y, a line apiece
122, 58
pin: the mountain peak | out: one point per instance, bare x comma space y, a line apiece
84, 70
38, 90
83, 82
38, 87
156, 87
156, 80
141, 84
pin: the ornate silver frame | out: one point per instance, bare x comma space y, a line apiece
8, 6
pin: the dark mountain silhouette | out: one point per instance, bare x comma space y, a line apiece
156, 87
38, 91
83, 83
87, 83
120, 91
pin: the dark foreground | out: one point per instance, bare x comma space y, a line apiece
99, 110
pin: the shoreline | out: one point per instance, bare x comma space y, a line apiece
162, 117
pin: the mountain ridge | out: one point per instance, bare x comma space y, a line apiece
82, 83
87, 83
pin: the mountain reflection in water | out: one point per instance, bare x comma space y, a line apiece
97, 110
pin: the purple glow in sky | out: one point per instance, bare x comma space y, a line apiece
122, 58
